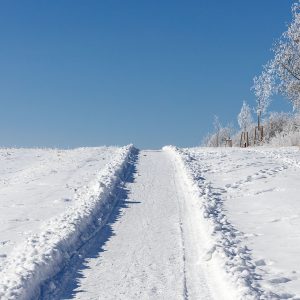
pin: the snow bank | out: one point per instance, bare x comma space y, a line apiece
38, 184
227, 250
43, 255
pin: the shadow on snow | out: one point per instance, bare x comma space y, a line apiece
67, 281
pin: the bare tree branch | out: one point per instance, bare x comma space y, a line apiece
290, 71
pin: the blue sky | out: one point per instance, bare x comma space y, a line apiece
88, 73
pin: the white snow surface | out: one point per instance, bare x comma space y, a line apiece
193, 223
150, 248
51, 203
36, 184
250, 200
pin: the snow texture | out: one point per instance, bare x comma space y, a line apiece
147, 249
250, 198
37, 184
227, 248
42, 255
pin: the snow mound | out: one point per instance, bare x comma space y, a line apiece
227, 250
43, 255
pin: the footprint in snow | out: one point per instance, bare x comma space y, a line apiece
283, 296
276, 220
260, 262
19, 220
288, 218
280, 280
2, 243
67, 199
249, 235
265, 191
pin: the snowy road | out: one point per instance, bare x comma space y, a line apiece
194, 223
148, 249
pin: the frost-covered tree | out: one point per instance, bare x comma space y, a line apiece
286, 63
280, 122
263, 88
282, 73
217, 127
245, 117
219, 136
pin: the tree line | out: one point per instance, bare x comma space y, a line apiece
280, 75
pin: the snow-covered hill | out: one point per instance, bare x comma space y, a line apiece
113, 223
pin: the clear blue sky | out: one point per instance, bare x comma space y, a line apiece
87, 73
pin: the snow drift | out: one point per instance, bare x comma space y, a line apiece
44, 254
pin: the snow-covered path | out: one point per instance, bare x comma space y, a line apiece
194, 223
251, 199
149, 248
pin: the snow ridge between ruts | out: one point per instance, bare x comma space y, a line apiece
232, 257
43, 255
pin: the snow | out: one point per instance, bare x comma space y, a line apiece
115, 223
36, 184
250, 197
50, 243
146, 251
